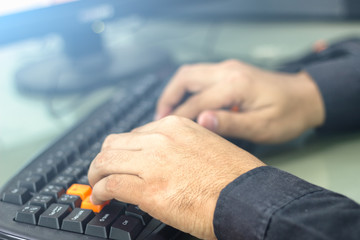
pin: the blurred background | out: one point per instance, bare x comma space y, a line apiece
59, 59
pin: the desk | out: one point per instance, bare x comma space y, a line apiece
26, 126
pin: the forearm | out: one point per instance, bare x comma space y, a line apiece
267, 203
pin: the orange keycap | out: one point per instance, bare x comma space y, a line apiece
235, 109
87, 204
80, 190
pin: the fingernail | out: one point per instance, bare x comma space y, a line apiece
208, 120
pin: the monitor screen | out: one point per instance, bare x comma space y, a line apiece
15, 6
24, 19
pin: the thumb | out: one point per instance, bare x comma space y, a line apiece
232, 124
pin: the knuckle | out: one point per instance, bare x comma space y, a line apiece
109, 140
172, 120
235, 76
183, 70
99, 160
159, 137
103, 159
112, 183
230, 63
238, 81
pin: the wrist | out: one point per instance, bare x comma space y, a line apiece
313, 105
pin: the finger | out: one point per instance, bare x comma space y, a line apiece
113, 162
187, 79
122, 187
248, 125
159, 126
216, 97
123, 141
146, 128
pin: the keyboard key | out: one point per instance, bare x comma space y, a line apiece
33, 183
53, 190
90, 134
53, 216
72, 200
73, 172
92, 152
82, 163
58, 163
83, 139
83, 180
126, 228
42, 200
28, 214
99, 226
118, 203
18, 196
135, 211
83, 191
46, 172
63, 181
68, 151
76, 221
87, 204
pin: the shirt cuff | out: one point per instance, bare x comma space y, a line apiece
339, 83
245, 207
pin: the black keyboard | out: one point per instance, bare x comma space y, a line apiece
48, 199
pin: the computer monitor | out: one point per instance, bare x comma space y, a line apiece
86, 63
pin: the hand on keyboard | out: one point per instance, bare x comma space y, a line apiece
50, 196
172, 169
267, 107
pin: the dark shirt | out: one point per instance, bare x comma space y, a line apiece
267, 203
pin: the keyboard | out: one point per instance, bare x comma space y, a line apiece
49, 197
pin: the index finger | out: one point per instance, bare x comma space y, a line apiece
189, 78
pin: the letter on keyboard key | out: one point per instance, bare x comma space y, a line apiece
53, 216
73, 172
100, 225
126, 228
29, 214
63, 181
42, 200
53, 190
72, 200
16, 196
76, 221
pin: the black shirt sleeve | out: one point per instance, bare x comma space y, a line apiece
267, 203
339, 83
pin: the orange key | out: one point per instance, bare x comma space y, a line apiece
235, 109
87, 204
80, 190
